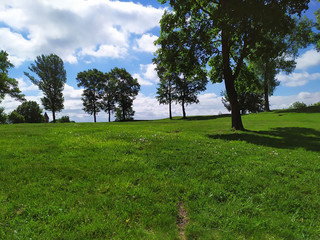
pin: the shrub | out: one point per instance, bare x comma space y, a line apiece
15, 117
64, 119
298, 105
3, 116
31, 112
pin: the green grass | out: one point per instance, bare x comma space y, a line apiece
126, 180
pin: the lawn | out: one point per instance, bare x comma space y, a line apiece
179, 179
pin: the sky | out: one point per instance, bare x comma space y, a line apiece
104, 34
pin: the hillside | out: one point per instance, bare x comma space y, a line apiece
179, 179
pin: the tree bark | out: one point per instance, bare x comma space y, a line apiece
109, 115
183, 109
266, 98
54, 116
170, 111
229, 78
124, 114
94, 116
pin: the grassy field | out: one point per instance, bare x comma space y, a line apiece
139, 180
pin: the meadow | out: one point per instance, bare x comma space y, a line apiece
179, 179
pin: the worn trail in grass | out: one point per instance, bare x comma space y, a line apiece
126, 180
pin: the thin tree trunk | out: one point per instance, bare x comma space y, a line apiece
183, 109
124, 114
54, 116
266, 98
170, 112
94, 116
109, 115
229, 83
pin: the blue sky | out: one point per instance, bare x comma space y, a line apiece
104, 34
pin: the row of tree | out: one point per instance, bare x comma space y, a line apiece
243, 43
110, 92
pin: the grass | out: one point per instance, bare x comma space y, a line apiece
127, 180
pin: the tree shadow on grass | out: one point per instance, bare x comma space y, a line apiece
284, 138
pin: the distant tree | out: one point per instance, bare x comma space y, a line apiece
126, 89
15, 117
109, 97
298, 105
92, 82
8, 85
226, 33
318, 28
166, 93
179, 68
64, 119
3, 116
51, 80
31, 112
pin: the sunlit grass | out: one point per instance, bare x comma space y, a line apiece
125, 180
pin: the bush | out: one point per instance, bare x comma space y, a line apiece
31, 112
315, 105
298, 105
64, 119
15, 117
3, 116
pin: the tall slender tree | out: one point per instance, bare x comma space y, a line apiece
226, 32
51, 80
109, 97
92, 82
126, 89
8, 85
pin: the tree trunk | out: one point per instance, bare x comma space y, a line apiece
183, 109
266, 98
54, 116
229, 79
124, 114
94, 116
170, 111
109, 115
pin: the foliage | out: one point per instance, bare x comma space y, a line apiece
15, 117
182, 76
317, 13
298, 105
92, 81
31, 112
126, 89
64, 119
8, 85
126, 180
51, 79
3, 116
223, 34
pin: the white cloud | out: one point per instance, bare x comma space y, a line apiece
309, 59
70, 28
148, 75
146, 43
297, 79
281, 102
24, 87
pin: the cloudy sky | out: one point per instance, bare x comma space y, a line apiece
104, 34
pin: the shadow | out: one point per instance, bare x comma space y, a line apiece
208, 117
313, 109
284, 138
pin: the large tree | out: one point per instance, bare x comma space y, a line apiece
126, 89
51, 80
92, 82
8, 86
227, 31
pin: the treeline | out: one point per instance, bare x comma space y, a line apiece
112, 92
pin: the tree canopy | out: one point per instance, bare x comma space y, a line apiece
31, 112
8, 85
224, 33
51, 79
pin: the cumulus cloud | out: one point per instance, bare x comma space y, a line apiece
309, 59
297, 79
281, 102
146, 43
148, 75
72, 28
